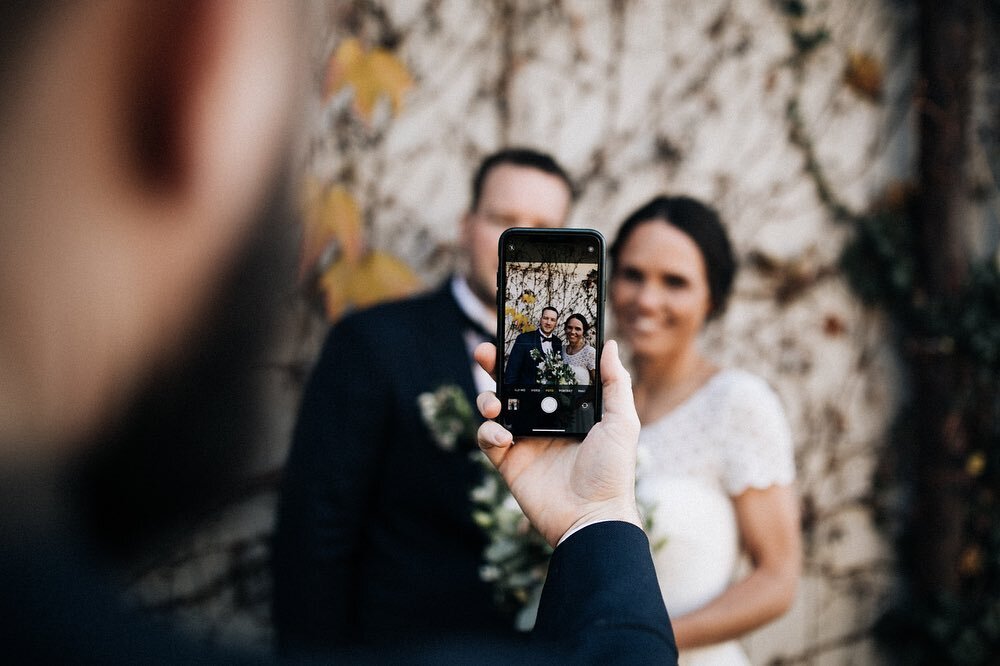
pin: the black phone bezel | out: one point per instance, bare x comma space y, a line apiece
544, 235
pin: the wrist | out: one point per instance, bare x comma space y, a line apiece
624, 512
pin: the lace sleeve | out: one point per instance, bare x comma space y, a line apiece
759, 451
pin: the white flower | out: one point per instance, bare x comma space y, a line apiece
489, 573
515, 559
447, 414
486, 491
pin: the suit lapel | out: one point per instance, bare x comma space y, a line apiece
444, 345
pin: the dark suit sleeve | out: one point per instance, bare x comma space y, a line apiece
326, 493
601, 598
514, 360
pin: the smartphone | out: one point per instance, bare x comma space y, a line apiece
550, 330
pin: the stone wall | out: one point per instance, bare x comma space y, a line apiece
773, 111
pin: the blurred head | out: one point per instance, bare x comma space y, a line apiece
547, 320
141, 147
515, 187
672, 270
126, 193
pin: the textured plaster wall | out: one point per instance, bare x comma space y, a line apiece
635, 98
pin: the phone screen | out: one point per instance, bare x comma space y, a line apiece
550, 323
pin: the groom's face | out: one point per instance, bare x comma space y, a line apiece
548, 321
512, 196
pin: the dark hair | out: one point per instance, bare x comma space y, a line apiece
581, 318
549, 307
22, 22
522, 157
702, 224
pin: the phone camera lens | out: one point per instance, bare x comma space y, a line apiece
590, 248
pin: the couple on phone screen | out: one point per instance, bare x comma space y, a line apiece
581, 357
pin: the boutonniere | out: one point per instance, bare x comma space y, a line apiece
448, 415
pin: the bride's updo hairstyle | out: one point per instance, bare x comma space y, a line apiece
702, 225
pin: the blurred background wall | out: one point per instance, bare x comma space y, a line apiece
790, 117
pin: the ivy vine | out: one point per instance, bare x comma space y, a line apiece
881, 265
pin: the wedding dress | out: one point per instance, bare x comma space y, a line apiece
729, 436
582, 363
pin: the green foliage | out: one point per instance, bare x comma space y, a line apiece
516, 557
448, 415
979, 319
806, 42
793, 8
879, 262
943, 631
881, 267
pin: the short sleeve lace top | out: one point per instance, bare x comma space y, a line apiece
582, 362
585, 358
732, 432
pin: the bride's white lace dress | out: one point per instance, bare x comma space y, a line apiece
729, 436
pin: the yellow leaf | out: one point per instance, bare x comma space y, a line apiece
372, 74
970, 562
382, 277
864, 75
975, 464
376, 278
520, 321
330, 216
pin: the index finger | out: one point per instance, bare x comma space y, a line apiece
486, 356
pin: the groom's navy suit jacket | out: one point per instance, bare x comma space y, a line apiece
375, 537
521, 369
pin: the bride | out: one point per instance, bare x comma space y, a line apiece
577, 354
716, 465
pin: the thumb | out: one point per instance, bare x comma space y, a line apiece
495, 441
617, 386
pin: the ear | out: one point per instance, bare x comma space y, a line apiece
465, 227
138, 144
210, 85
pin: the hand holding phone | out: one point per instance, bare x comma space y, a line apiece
550, 328
563, 485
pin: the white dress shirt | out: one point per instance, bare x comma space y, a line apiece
482, 315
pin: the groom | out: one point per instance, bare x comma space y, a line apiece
522, 367
375, 539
